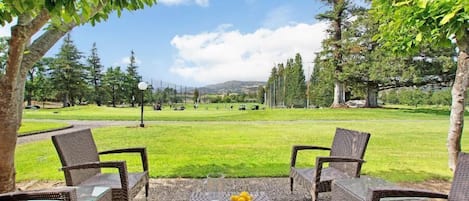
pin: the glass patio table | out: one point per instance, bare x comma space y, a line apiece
205, 196
356, 189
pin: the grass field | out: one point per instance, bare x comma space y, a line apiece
224, 113
406, 144
28, 127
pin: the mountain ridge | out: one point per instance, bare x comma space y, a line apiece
232, 86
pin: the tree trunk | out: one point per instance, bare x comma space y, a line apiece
372, 95
65, 102
339, 88
458, 92
10, 102
339, 95
29, 95
9, 123
12, 83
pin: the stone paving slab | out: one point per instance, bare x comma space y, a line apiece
278, 189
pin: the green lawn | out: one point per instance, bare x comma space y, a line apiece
28, 127
406, 145
223, 113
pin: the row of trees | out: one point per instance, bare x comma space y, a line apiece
367, 67
416, 97
286, 85
353, 65
402, 29
67, 79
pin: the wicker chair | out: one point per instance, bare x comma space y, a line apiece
345, 160
66, 194
82, 167
459, 187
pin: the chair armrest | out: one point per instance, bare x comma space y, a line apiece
375, 194
68, 194
297, 148
120, 165
321, 160
141, 150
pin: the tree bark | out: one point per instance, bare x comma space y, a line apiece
339, 88
10, 102
339, 95
372, 95
12, 89
458, 92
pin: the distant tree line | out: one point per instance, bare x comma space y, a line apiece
72, 78
353, 64
286, 86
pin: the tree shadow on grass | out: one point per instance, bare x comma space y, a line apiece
406, 175
432, 111
241, 170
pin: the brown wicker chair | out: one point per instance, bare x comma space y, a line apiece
82, 167
66, 194
459, 187
345, 160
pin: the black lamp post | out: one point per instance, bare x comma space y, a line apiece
142, 86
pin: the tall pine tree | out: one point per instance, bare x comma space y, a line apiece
114, 81
68, 75
96, 75
336, 16
132, 79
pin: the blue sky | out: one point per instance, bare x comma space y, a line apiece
200, 42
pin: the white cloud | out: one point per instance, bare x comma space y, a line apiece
203, 3
5, 30
223, 55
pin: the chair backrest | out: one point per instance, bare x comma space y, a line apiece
66, 194
352, 144
460, 185
75, 148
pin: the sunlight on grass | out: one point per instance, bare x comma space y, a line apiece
397, 151
224, 113
35, 126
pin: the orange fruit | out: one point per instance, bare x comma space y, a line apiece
234, 198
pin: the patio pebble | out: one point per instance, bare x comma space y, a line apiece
278, 189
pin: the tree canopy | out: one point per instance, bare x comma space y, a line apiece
407, 24
60, 12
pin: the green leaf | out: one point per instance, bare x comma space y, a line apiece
418, 38
18, 6
450, 16
422, 3
402, 3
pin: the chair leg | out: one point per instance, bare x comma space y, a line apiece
314, 195
147, 188
291, 184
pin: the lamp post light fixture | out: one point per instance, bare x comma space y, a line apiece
142, 86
